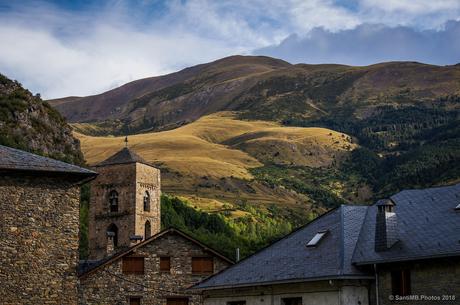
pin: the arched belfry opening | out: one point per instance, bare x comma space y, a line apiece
112, 238
147, 230
113, 201
146, 201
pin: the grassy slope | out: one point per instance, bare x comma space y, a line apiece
209, 162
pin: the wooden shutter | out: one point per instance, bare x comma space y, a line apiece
134, 301
133, 265
177, 301
165, 264
400, 282
202, 265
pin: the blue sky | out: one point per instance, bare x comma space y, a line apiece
61, 48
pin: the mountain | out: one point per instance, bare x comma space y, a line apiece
263, 88
28, 123
261, 141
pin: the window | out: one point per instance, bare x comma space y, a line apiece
147, 230
146, 202
134, 301
113, 201
176, 301
400, 282
165, 264
133, 265
202, 265
112, 236
236, 303
291, 301
317, 238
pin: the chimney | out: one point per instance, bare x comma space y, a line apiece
386, 225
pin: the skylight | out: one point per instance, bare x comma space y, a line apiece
317, 238
458, 207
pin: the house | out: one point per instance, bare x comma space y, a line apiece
131, 261
396, 251
39, 208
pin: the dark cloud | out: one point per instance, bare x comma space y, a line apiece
371, 43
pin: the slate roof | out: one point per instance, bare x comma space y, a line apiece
428, 226
14, 160
124, 156
87, 267
289, 260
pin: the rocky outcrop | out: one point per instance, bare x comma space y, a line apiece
29, 123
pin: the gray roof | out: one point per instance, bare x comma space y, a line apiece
290, 260
123, 156
428, 226
14, 160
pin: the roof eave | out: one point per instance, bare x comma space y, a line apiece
406, 259
291, 281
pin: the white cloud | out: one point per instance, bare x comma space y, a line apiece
58, 52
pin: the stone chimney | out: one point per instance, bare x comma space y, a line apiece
386, 225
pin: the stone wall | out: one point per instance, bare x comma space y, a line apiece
435, 277
148, 179
335, 292
38, 240
108, 285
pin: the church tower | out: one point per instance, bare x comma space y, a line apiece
125, 204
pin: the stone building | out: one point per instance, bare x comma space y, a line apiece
157, 271
405, 250
131, 261
39, 208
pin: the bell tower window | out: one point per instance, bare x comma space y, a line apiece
148, 230
146, 202
112, 237
113, 201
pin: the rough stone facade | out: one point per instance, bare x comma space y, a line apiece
131, 181
436, 277
335, 292
38, 240
108, 284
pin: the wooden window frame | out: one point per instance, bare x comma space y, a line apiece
239, 302
401, 282
164, 270
199, 261
127, 269
283, 300
170, 299
132, 298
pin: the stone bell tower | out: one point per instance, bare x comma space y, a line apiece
125, 203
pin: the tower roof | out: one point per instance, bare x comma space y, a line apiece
124, 156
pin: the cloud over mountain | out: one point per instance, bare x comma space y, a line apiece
371, 43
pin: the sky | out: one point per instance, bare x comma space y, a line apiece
79, 48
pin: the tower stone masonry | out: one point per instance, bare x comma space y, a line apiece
125, 203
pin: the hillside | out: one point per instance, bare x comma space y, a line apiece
28, 123
210, 161
230, 141
264, 88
